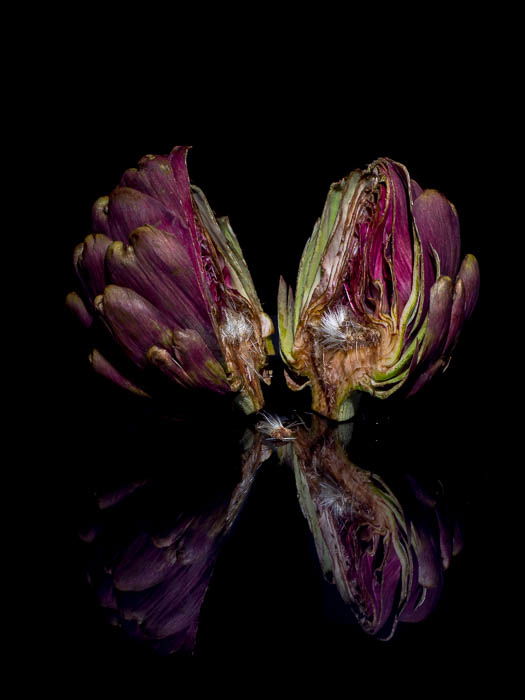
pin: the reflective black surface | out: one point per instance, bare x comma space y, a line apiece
188, 538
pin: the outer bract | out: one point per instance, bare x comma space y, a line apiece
169, 282
381, 295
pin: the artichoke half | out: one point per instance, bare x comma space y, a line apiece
169, 284
380, 296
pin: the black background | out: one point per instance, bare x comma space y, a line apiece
265, 150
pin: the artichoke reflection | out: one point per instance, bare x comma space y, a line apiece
168, 283
381, 295
386, 559
151, 575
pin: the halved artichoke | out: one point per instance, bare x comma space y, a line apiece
381, 295
169, 284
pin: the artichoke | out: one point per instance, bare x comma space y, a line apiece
168, 284
386, 558
381, 295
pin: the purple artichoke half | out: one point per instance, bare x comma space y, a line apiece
387, 559
381, 295
169, 284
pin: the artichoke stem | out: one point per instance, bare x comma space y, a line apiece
339, 412
348, 407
